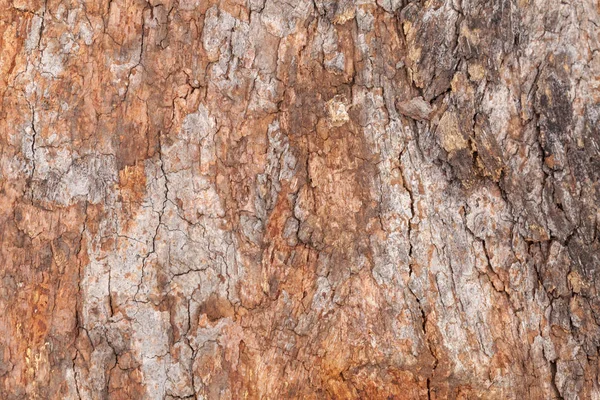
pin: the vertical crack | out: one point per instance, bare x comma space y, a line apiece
42, 25
160, 217
424, 318
553, 380
78, 317
110, 298
141, 54
33, 140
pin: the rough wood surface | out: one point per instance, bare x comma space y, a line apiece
299, 199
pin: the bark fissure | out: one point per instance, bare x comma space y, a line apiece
299, 199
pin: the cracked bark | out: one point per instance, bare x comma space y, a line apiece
299, 199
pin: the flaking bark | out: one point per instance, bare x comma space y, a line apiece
272, 199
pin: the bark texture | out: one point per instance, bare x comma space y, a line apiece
281, 199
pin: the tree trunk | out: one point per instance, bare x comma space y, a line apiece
299, 199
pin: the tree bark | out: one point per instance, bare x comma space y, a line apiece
273, 199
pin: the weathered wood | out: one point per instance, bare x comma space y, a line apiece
272, 199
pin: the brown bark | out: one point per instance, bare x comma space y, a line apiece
277, 199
